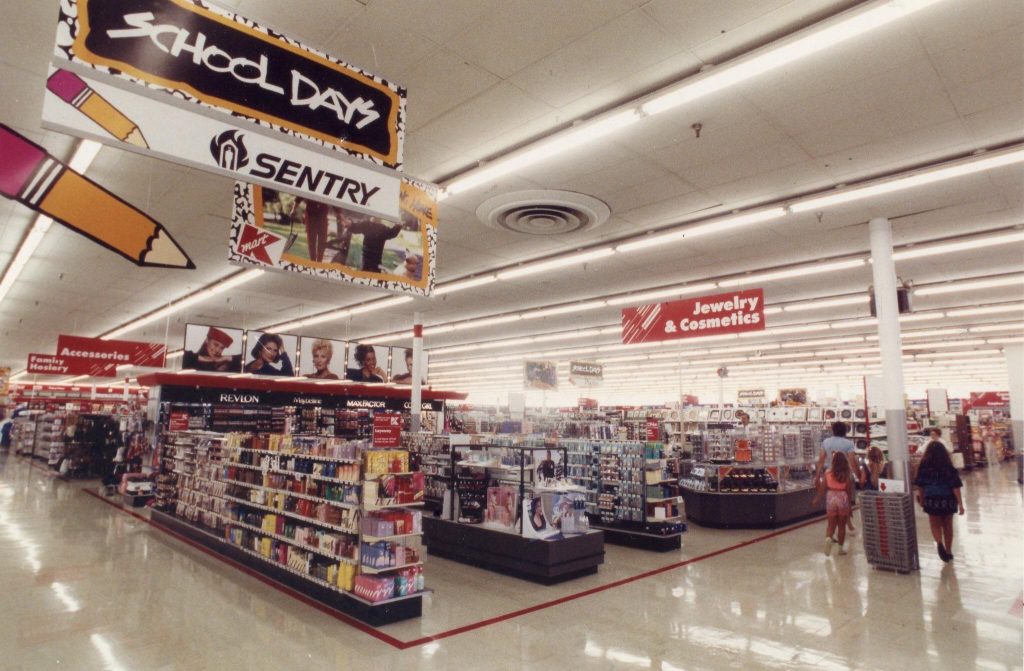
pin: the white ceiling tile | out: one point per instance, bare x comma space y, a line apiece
441, 82
611, 53
760, 160
997, 125
967, 61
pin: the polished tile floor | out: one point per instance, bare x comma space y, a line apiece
87, 586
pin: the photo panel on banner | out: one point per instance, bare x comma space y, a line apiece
540, 375
322, 358
401, 366
213, 348
368, 363
281, 231
270, 353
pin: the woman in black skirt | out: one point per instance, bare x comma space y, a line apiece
938, 491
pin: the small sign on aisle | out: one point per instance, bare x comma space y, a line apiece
387, 430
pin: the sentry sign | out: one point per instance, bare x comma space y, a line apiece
734, 312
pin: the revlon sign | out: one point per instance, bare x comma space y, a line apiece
705, 316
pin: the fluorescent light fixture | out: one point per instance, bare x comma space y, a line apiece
823, 341
662, 293
569, 335
746, 349
942, 172
558, 262
827, 303
1005, 341
564, 309
921, 317
576, 136
955, 287
714, 226
772, 310
989, 328
944, 344
988, 310
486, 321
796, 271
933, 333
440, 328
176, 354
942, 355
211, 290
379, 305
84, 155
73, 379
784, 356
503, 343
854, 323
979, 242
460, 285
802, 44
782, 330
852, 350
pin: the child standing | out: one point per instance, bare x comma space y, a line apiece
838, 483
938, 491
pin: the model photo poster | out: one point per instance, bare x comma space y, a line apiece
367, 363
270, 353
401, 365
734, 312
540, 375
322, 358
277, 230
585, 374
794, 396
224, 65
213, 348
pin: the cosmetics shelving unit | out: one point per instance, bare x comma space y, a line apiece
316, 513
632, 491
494, 483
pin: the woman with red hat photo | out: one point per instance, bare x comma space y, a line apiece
210, 356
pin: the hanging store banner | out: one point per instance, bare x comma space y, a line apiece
5, 381
215, 60
87, 107
585, 374
990, 399
540, 375
734, 312
118, 352
750, 395
51, 364
275, 230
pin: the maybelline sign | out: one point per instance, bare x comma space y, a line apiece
211, 57
175, 133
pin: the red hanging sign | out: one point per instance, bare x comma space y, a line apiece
708, 315
116, 352
653, 430
387, 430
990, 399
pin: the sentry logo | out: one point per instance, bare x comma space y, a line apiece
229, 150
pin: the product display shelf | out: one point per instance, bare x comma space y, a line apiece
271, 560
501, 483
23, 435
636, 503
753, 477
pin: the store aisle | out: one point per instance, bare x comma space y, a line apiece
88, 586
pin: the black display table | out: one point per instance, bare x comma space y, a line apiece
542, 561
750, 511
376, 614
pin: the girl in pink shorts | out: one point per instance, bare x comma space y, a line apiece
839, 494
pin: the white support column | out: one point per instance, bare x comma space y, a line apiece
891, 346
1014, 354
417, 370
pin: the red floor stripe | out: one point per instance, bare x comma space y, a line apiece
405, 645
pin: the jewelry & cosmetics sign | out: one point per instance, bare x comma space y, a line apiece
211, 57
734, 312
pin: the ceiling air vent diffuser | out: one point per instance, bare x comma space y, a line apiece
542, 212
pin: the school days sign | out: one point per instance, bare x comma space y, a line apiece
708, 315
211, 57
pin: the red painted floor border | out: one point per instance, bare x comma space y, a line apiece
405, 645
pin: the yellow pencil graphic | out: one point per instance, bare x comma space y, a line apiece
31, 176
73, 90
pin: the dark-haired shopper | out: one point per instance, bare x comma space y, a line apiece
938, 491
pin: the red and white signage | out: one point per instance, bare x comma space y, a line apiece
653, 430
117, 352
49, 364
178, 421
387, 430
705, 316
990, 399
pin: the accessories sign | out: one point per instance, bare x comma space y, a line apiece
708, 315
118, 352
213, 57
